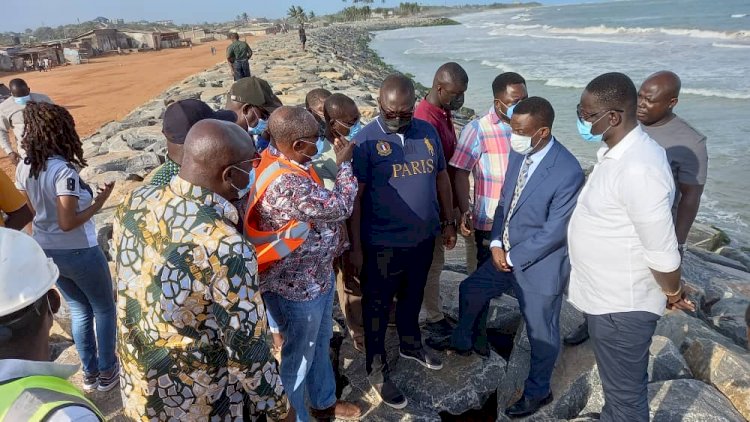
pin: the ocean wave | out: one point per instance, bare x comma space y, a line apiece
721, 45
739, 15
497, 65
564, 83
716, 93
693, 33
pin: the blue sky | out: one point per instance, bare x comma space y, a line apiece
34, 13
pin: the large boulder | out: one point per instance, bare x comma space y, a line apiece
726, 369
464, 383
585, 395
140, 138
687, 400
707, 237
728, 317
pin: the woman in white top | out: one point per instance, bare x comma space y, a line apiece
63, 226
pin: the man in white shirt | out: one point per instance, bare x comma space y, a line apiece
11, 115
625, 265
32, 387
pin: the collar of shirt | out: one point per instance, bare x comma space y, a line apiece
436, 111
494, 117
187, 190
387, 132
276, 153
538, 156
618, 150
19, 368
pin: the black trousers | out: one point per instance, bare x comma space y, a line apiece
621, 341
387, 273
482, 239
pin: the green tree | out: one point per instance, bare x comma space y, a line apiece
297, 13
245, 17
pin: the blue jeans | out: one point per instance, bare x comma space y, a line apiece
307, 328
86, 284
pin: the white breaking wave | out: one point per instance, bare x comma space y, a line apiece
739, 15
564, 83
693, 33
722, 45
497, 65
717, 93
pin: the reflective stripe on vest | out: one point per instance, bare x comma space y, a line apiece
274, 245
36, 397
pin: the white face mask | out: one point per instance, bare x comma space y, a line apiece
522, 144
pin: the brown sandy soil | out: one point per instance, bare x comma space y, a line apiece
109, 88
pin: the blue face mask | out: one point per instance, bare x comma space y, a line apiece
259, 128
22, 100
353, 131
250, 182
509, 113
320, 144
584, 129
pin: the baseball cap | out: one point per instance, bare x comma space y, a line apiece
26, 273
182, 115
254, 91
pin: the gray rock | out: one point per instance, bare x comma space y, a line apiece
104, 239
64, 319
142, 137
707, 237
159, 148
143, 163
726, 369
108, 177
665, 361
463, 383
116, 161
114, 144
728, 317
683, 330
736, 255
687, 400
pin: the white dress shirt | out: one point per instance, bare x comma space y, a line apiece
621, 228
11, 117
535, 158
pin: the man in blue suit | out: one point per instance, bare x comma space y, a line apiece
529, 250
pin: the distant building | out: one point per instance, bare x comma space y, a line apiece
165, 22
100, 19
100, 41
117, 21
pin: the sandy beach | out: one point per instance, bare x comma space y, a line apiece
109, 88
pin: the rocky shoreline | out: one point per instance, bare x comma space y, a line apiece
700, 369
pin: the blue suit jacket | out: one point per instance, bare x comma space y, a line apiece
538, 228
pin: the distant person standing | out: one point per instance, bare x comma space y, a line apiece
238, 56
302, 36
11, 115
213, 50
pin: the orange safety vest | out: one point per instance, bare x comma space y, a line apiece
272, 246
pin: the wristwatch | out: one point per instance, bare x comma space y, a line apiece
446, 223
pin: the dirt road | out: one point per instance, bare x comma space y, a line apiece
109, 88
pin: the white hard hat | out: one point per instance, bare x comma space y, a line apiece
26, 273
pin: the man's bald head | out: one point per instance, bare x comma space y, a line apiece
397, 91
288, 124
212, 147
450, 73
448, 87
657, 98
668, 80
338, 106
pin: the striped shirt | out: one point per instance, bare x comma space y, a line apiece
483, 149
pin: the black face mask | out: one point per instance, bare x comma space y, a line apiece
456, 103
395, 125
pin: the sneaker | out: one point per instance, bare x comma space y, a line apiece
440, 328
110, 379
390, 394
422, 358
90, 382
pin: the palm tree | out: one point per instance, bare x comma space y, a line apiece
245, 16
297, 13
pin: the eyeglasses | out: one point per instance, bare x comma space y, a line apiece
346, 125
397, 115
254, 162
583, 117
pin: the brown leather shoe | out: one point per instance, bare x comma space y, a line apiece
341, 410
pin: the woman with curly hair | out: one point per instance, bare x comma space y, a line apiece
63, 226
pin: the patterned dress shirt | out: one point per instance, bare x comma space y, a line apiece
306, 273
192, 324
483, 149
165, 173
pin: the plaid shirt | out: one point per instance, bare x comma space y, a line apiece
483, 149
